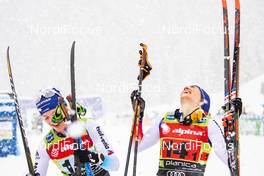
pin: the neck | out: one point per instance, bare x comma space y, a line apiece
187, 109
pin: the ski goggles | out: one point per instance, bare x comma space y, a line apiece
57, 117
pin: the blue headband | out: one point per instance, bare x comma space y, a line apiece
206, 100
48, 100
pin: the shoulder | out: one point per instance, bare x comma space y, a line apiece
214, 127
168, 116
89, 123
213, 123
93, 127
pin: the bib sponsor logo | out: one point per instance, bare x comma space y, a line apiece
37, 157
50, 137
175, 173
54, 152
66, 147
45, 101
165, 128
180, 164
187, 131
101, 134
170, 117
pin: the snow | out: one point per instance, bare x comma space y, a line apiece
117, 128
251, 155
72, 129
185, 42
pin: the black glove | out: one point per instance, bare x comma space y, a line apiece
35, 174
234, 105
141, 102
28, 174
237, 105
89, 156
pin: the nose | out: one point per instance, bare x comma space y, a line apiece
186, 88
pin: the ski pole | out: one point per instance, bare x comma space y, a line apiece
144, 71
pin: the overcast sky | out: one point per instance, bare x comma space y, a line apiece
185, 42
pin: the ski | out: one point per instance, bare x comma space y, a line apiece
144, 71
73, 92
231, 88
74, 114
20, 120
73, 118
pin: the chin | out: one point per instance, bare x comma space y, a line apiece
185, 99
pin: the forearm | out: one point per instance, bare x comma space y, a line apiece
150, 138
102, 145
110, 163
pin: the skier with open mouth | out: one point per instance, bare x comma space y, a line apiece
186, 135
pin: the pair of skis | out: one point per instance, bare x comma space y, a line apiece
231, 90
144, 71
73, 117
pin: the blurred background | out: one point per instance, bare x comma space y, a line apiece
185, 40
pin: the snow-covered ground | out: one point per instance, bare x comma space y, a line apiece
185, 42
251, 154
117, 127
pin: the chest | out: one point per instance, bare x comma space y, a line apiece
189, 132
180, 143
61, 148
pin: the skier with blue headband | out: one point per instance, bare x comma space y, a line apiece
59, 146
186, 135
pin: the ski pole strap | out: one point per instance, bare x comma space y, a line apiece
227, 107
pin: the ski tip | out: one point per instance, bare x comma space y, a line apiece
7, 52
73, 43
72, 47
224, 3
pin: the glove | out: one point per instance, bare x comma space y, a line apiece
237, 105
81, 111
234, 105
35, 174
141, 102
89, 156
